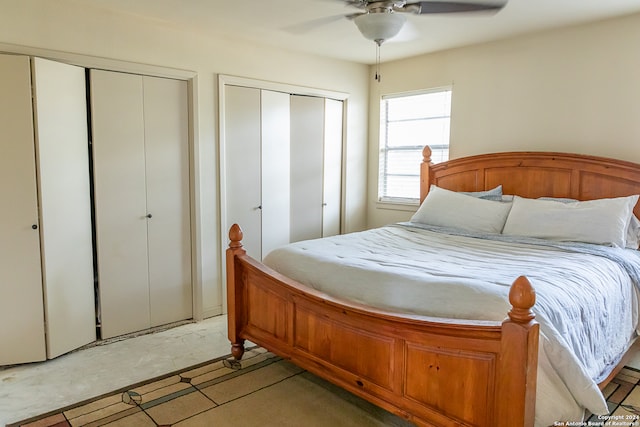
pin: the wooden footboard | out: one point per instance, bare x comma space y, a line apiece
431, 371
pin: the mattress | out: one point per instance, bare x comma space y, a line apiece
586, 295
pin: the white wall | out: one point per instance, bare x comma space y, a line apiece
64, 27
575, 89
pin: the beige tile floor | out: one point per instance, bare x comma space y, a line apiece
32, 389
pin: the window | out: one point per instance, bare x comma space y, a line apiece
408, 122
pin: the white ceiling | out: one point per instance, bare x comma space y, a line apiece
319, 27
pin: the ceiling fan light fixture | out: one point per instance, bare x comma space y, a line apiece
379, 26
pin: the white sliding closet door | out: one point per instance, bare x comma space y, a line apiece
275, 173
169, 230
243, 169
142, 206
65, 205
307, 163
21, 300
46, 262
316, 167
332, 184
120, 201
256, 159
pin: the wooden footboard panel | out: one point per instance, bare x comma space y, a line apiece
434, 372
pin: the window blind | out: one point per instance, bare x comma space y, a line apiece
408, 122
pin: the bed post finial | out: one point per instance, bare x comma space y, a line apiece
425, 172
235, 235
426, 154
522, 297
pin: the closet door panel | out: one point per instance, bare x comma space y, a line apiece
65, 205
275, 171
242, 165
21, 300
332, 185
120, 201
307, 152
167, 171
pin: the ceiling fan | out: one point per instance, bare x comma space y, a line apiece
382, 20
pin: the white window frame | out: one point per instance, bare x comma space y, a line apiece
384, 150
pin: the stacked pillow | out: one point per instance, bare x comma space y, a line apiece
607, 222
446, 208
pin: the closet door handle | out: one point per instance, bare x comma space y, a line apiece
34, 226
149, 215
259, 207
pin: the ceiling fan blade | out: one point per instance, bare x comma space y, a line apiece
428, 7
351, 16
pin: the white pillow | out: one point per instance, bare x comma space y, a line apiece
450, 209
633, 229
601, 221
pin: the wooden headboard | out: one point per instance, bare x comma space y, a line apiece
534, 174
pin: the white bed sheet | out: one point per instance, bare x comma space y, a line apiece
587, 305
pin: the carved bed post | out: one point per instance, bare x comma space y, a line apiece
425, 172
516, 395
235, 302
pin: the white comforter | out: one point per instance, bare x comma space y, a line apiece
587, 304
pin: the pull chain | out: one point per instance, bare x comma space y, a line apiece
378, 76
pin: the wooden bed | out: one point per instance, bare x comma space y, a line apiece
431, 371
